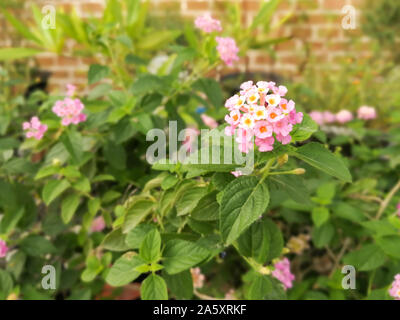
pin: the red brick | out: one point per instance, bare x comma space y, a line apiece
198, 5
334, 4
92, 7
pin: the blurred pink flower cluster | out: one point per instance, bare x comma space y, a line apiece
3, 248
197, 277
207, 24
70, 110
259, 110
283, 274
98, 224
227, 48
34, 128
394, 290
343, 116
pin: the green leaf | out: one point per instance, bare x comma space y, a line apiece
316, 155
305, 129
264, 14
115, 155
369, 257
6, 284
180, 284
212, 89
189, 200
150, 248
320, 215
147, 83
69, 206
7, 54
390, 245
154, 288
73, 142
348, 212
53, 189
263, 241
180, 255
97, 72
207, 208
244, 200
265, 288
36, 245
290, 185
135, 214
323, 235
135, 237
168, 182
115, 241
124, 270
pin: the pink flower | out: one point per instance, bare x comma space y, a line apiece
227, 50
207, 24
283, 274
237, 173
245, 139
344, 116
366, 113
98, 224
34, 128
197, 277
328, 117
71, 90
266, 144
286, 106
209, 122
3, 248
317, 117
283, 139
70, 110
263, 129
190, 141
394, 290
283, 127
247, 85
230, 130
295, 117
281, 90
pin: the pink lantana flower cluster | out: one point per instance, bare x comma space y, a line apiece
34, 128
98, 224
3, 248
226, 46
259, 110
70, 110
283, 274
207, 24
228, 50
394, 290
343, 116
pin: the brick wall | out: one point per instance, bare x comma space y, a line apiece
316, 24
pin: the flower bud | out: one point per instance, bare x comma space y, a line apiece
283, 159
299, 171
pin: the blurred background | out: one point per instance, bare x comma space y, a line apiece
340, 54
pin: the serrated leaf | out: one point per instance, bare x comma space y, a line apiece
244, 200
